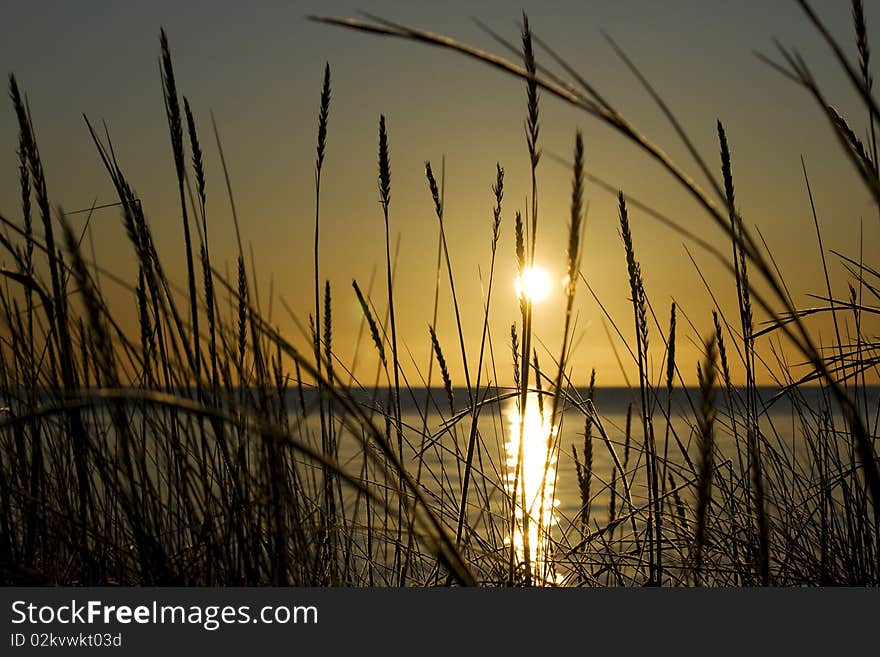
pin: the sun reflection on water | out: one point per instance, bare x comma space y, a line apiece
532, 476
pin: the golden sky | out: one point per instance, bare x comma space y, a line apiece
259, 69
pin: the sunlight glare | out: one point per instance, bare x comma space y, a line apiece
535, 497
534, 283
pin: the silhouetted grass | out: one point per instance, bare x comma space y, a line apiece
166, 457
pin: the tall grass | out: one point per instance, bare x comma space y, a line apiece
168, 457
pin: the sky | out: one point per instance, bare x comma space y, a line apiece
258, 68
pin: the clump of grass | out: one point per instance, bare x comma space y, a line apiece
444, 370
374, 329
175, 127
639, 303
706, 376
584, 471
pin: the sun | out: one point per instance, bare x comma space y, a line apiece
533, 283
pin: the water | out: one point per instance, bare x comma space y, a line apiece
524, 509
528, 493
